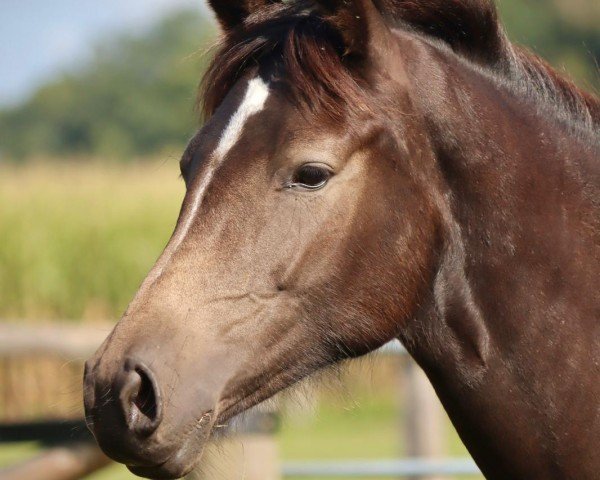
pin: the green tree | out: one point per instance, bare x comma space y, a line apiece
564, 32
135, 96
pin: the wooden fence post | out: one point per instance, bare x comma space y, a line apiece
250, 453
424, 420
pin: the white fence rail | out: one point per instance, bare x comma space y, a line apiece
406, 467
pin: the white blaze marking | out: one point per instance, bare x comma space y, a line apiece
253, 102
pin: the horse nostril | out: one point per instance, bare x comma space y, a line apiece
145, 400
140, 399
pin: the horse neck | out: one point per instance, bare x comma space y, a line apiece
510, 338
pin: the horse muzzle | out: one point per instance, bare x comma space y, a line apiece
128, 414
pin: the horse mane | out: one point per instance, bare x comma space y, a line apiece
316, 72
305, 50
572, 104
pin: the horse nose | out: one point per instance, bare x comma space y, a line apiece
139, 398
123, 408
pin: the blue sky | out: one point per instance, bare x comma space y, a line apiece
41, 38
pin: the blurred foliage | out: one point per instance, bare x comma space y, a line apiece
564, 32
137, 94
78, 239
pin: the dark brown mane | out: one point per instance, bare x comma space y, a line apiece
573, 105
470, 27
473, 30
307, 53
313, 67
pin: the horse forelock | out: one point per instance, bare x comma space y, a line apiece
304, 51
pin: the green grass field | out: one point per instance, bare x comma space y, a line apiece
76, 241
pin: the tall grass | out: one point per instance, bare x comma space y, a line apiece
76, 239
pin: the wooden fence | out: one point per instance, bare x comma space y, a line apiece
30, 355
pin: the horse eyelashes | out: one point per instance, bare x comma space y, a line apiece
311, 176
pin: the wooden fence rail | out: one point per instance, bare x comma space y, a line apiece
67, 462
66, 340
74, 342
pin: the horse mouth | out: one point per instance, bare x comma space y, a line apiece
183, 460
189, 454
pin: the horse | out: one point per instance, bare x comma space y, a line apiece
373, 170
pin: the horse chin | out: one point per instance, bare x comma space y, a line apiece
177, 466
185, 458
168, 470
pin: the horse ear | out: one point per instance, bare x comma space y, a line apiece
231, 13
470, 27
358, 21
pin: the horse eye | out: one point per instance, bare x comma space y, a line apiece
311, 176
